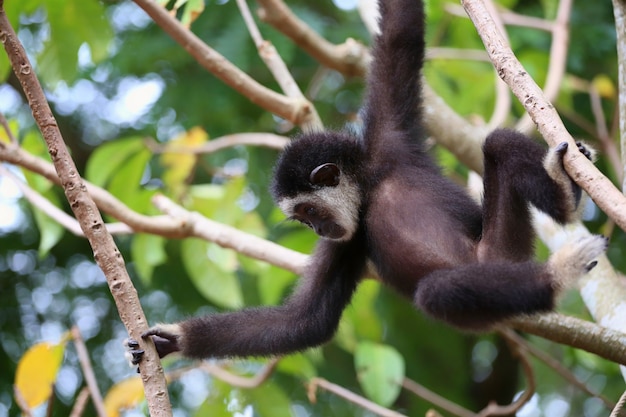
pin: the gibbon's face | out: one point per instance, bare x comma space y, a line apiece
331, 208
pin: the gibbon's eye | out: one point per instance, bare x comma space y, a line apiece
325, 175
305, 211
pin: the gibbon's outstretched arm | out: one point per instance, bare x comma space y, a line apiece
308, 318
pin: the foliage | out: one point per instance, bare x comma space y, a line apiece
128, 98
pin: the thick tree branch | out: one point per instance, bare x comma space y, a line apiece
576, 333
106, 253
619, 11
601, 190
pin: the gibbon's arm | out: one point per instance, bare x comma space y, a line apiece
394, 82
308, 318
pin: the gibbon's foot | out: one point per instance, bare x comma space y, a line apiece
588, 152
560, 149
576, 259
133, 353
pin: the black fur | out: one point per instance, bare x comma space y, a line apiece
461, 262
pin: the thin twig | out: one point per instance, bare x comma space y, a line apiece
7, 129
277, 66
160, 225
238, 380
602, 132
298, 111
80, 403
55, 213
349, 58
267, 140
436, 399
557, 366
349, 396
90, 377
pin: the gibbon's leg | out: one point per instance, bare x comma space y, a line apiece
518, 171
477, 296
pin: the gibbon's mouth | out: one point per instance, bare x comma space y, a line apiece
328, 230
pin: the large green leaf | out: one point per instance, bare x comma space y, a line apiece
126, 182
360, 320
107, 159
50, 230
380, 371
212, 272
148, 252
72, 24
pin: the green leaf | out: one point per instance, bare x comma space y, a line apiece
360, 320
298, 365
205, 198
50, 230
148, 252
126, 182
214, 278
380, 371
72, 23
107, 159
269, 400
193, 9
550, 8
228, 210
272, 283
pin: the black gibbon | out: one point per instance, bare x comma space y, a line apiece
378, 196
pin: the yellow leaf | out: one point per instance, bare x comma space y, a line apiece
37, 370
177, 159
123, 395
604, 86
4, 136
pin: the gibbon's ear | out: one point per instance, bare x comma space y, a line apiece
326, 175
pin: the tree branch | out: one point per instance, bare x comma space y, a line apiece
604, 194
88, 374
297, 110
348, 395
276, 65
619, 11
106, 253
577, 333
347, 58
